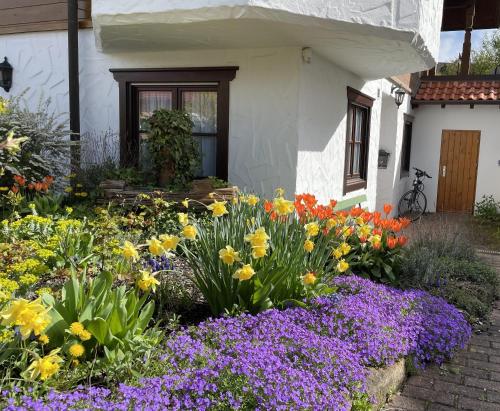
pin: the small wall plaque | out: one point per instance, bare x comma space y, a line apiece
383, 158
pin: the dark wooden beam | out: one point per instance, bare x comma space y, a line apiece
466, 51
74, 81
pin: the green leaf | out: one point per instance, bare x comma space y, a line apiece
99, 329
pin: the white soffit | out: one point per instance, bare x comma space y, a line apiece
372, 38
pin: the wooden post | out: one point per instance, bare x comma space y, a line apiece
74, 82
466, 51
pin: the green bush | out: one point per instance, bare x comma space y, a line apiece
488, 209
449, 267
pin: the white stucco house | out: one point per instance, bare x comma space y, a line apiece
294, 94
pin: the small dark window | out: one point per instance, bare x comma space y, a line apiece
406, 149
358, 140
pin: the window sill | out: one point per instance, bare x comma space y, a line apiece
354, 184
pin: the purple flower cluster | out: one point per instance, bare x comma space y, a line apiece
300, 358
156, 264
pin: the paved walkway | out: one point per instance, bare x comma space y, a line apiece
471, 381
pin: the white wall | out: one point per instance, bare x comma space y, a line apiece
322, 130
263, 100
390, 185
431, 120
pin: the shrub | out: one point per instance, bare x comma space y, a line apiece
314, 357
176, 155
488, 209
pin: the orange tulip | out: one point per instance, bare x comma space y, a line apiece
387, 209
268, 206
15, 189
38, 186
392, 242
20, 180
402, 240
31, 186
405, 222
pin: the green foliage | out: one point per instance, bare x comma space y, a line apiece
45, 150
450, 268
115, 317
488, 210
172, 146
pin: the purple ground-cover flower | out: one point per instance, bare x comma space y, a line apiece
301, 358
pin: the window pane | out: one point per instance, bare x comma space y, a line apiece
356, 159
149, 102
208, 147
359, 126
202, 105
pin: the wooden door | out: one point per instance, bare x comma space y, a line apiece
458, 170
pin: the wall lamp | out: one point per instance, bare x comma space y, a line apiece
399, 95
6, 75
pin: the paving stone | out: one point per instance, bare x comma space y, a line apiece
474, 372
476, 356
494, 397
495, 345
494, 358
467, 391
401, 402
480, 340
425, 394
495, 376
440, 407
475, 405
423, 381
484, 365
481, 383
485, 350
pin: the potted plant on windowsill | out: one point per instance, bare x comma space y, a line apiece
176, 156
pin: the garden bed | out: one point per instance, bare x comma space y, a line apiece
201, 193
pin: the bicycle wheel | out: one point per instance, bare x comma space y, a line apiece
412, 205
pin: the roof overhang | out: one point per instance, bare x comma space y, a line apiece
371, 38
487, 14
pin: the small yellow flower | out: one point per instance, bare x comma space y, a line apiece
79, 185
45, 367
129, 251
342, 266
83, 194
253, 200
190, 232
183, 219
309, 279
345, 248
312, 229
337, 253
4, 188
155, 247
76, 328
85, 335
29, 316
308, 246
147, 281
259, 251
44, 339
280, 192
76, 350
259, 238
68, 210
68, 189
244, 273
185, 203
229, 256
169, 242
283, 207
218, 208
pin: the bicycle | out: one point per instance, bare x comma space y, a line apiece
413, 203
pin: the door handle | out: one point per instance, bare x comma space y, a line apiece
443, 171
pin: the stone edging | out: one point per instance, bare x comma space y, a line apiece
383, 382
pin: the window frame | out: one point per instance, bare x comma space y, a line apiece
357, 100
131, 80
406, 155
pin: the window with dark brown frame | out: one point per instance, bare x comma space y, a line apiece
357, 140
406, 147
202, 92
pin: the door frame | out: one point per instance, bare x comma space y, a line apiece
439, 201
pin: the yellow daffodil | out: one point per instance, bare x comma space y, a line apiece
345, 248
259, 251
76, 350
342, 266
364, 231
45, 367
44, 339
309, 279
312, 229
280, 192
147, 281
229, 256
68, 189
185, 203
155, 247
259, 238
308, 246
244, 273
218, 208
29, 316
330, 223
190, 232
252, 200
183, 219
129, 251
337, 253
169, 242
283, 207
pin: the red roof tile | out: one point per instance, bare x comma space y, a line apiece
467, 91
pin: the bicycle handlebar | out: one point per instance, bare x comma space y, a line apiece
422, 172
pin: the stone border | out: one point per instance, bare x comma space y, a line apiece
382, 382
